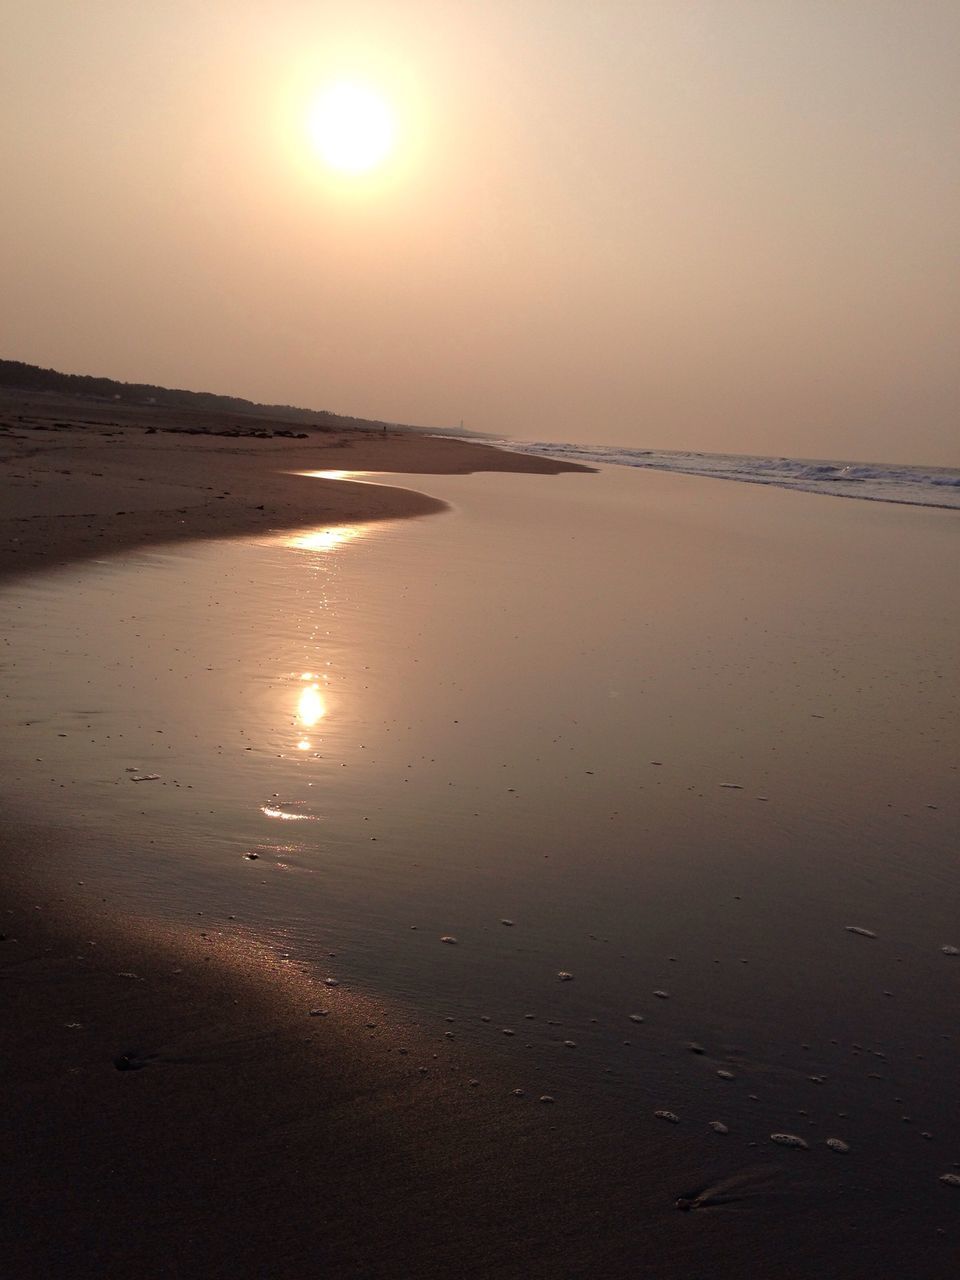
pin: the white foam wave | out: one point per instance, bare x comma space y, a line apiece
916, 486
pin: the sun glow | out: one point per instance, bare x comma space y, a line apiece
353, 128
310, 707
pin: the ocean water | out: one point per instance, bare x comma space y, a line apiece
872, 481
675, 739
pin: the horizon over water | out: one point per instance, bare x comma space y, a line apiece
913, 485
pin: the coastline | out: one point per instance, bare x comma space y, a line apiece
76, 488
174, 1108
199, 1120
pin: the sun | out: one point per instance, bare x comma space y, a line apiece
353, 128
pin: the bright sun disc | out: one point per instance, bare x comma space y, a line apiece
352, 127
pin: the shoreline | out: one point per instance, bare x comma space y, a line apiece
74, 489
163, 1087
173, 1106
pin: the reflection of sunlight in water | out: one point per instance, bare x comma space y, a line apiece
310, 706
324, 539
271, 811
355, 476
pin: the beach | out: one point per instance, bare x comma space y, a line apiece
692, 745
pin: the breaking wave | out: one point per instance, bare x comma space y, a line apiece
876, 482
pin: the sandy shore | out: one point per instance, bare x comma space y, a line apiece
175, 1112
80, 481
183, 1100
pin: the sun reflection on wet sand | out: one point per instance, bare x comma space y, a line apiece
310, 706
324, 539
271, 811
356, 476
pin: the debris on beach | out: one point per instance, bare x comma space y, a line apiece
718, 1126
950, 951
564, 976
519, 1093
570, 1044
693, 1047
662, 995
132, 1060
730, 786
789, 1140
951, 1179
251, 857
319, 1013
449, 940
330, 982
863, 933
547, 1097
726, 1075
636, 1017
508, 923
670, 1116
144, 777
837, 1144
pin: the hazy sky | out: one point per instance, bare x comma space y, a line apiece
726, 225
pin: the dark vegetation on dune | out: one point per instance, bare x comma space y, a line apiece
15, 375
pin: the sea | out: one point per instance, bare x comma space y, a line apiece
873, 481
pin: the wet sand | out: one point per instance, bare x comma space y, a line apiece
199, 1120
244, 1142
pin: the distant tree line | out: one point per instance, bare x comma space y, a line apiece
16, 375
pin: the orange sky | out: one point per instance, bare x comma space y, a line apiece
730, 225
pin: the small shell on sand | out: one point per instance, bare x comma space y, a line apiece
564, 976
951, 1179
318, 1013
669, 1116
726, 1075
547, 1097
950, 951
695, 1048
863, 933
718, 1126
662, 995
570, 1044
330, 982
519, 1093
449, 940
636, 1017
789, 1140
508, 923
837, 1144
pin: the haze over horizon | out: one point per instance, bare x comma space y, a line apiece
724, 226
